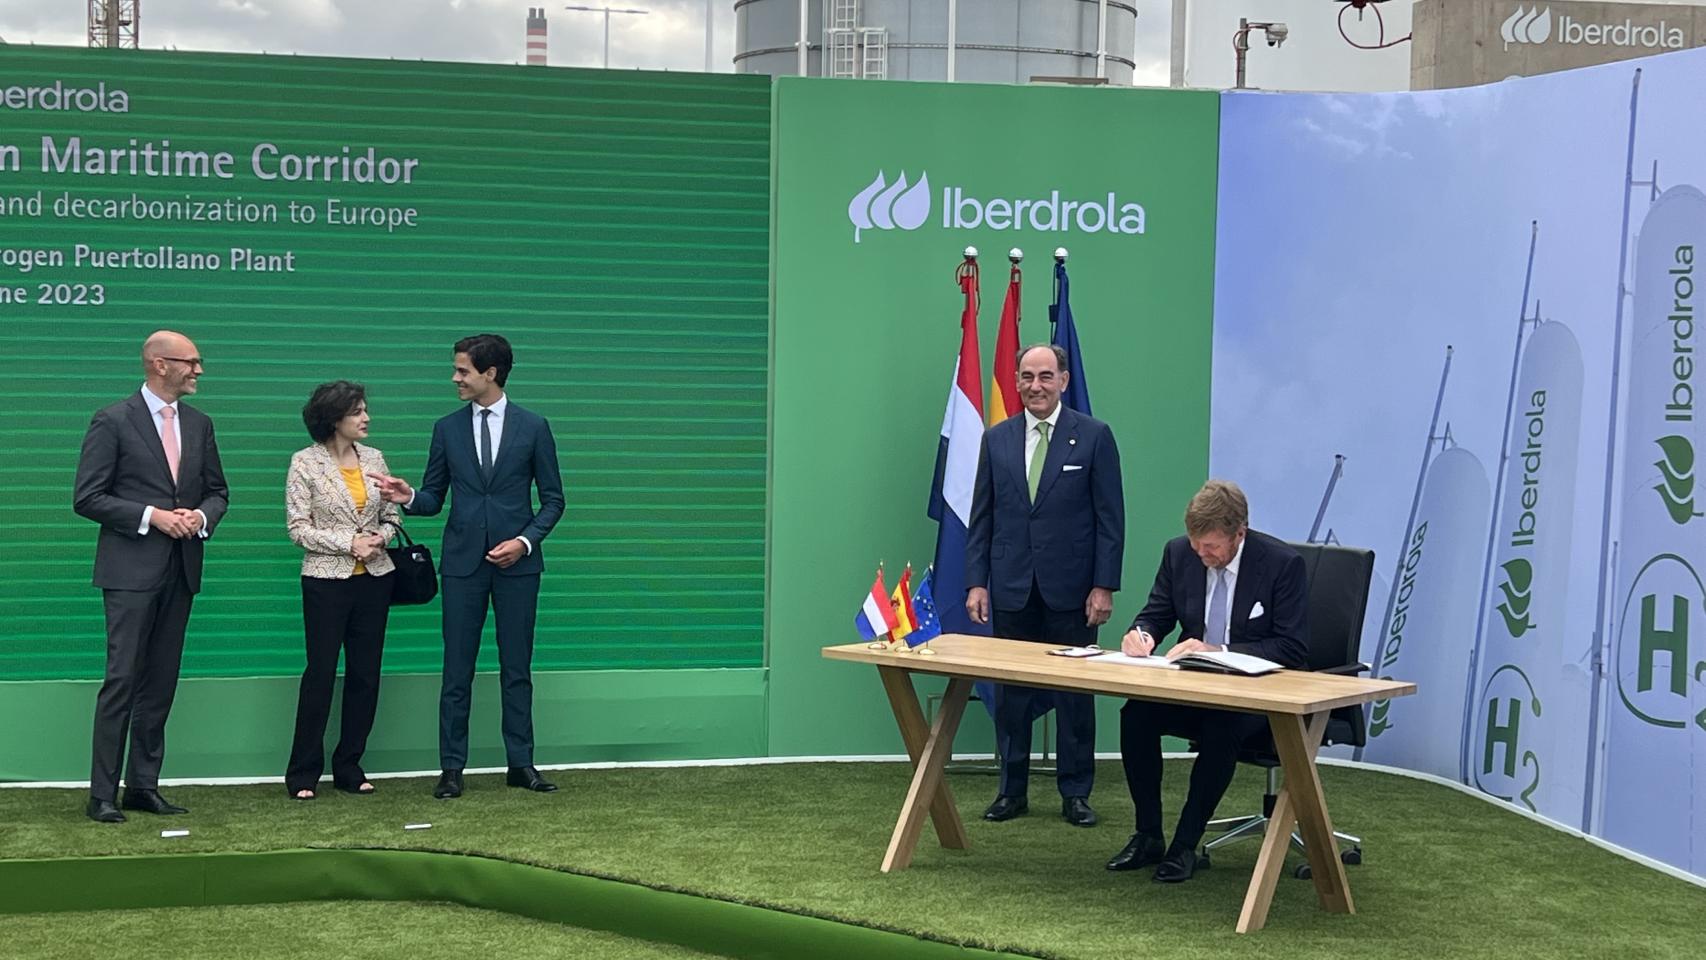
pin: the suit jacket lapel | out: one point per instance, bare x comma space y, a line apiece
1196, 587
365, 460
1243, 597
1060, 442
466, 449
514, 437
1014, 452
332, 479
189, 442
143, 422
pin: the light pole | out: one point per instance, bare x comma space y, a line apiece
1275, 32
607, 11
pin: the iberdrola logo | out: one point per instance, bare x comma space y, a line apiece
1516, 585
885, 206
1677, 490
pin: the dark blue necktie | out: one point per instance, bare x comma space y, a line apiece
486, 443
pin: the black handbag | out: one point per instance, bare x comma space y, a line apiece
417, 579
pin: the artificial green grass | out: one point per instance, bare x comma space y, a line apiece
346, 931
1446, 875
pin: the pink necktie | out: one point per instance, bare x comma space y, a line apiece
169, 439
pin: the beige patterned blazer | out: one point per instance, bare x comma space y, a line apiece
321, 517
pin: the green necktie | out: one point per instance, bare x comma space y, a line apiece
1037, 457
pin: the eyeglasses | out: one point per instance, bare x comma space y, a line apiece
192, 361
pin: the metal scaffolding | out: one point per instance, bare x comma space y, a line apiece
115, 23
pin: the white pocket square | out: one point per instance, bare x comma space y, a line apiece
1071, 466
1256, 610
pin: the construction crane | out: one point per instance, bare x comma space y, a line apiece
115, 23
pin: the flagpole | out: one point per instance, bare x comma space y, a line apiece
1607, 548
1054, 308
1015, 280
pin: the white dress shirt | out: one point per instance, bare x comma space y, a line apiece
155, 405
1033, 437
1231, 590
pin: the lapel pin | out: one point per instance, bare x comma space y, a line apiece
1072, 441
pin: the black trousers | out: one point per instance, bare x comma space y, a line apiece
1017, 708
1218, 734
463, 602
347, 615
145, 647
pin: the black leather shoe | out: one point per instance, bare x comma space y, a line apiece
1142, 850
103, 811
1180, 865
149, 801
1076, 811
1006, 808
528, 778
449, 785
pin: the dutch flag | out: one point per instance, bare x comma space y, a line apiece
876, 616
956, 471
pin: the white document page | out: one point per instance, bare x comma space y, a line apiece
1151, 661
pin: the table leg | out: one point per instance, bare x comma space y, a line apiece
928, 793
1300, 802
1297, 748
897, 683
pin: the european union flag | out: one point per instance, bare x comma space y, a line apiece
924, 607
1076, 396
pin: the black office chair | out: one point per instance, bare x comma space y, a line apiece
1338, 598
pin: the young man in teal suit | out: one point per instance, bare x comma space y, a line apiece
488, 458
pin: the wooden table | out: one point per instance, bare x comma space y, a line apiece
1296, 704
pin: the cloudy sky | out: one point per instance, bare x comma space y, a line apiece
671, 35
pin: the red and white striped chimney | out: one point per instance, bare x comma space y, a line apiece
536, 36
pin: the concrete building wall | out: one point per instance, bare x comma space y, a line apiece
1458, 43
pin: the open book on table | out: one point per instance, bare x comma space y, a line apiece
1225, 661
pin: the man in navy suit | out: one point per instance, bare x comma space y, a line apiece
1046, 535
1227, 587
488, 457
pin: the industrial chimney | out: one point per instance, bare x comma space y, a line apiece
536, 36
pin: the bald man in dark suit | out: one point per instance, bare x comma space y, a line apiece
150, 475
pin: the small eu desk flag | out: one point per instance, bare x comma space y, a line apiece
924, 610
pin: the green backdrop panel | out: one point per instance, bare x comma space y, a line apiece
614, 225
867, 328
241, 727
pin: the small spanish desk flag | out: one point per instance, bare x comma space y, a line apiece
905, 620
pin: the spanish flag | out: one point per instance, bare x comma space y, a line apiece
1004, 392
906, 621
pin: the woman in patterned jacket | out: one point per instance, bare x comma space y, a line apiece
336, 515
